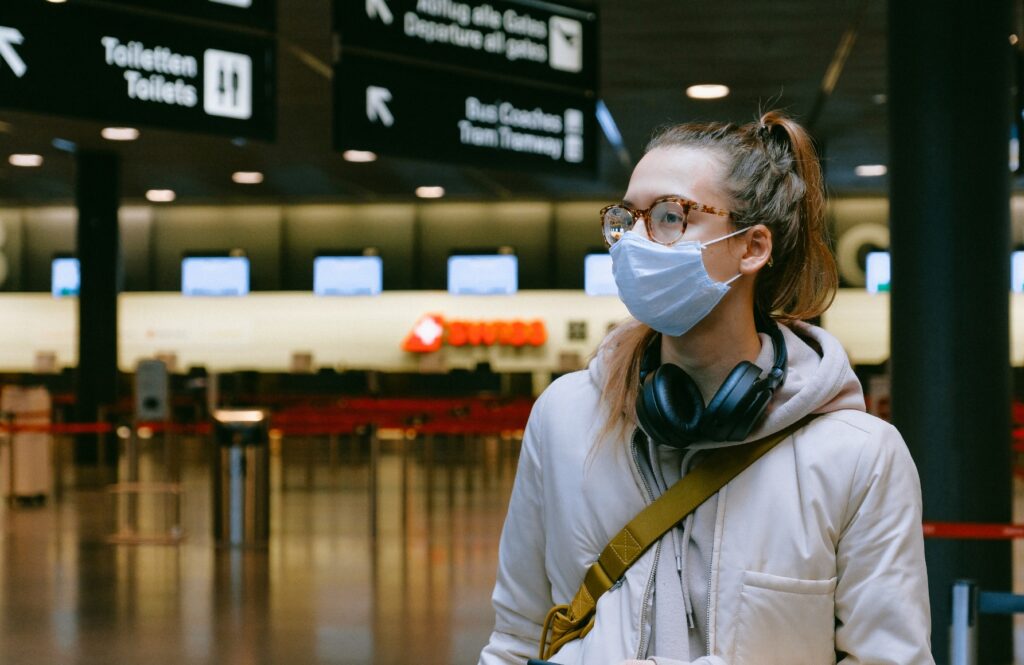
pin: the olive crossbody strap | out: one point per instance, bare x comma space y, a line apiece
568, 622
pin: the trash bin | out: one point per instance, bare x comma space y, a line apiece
241, 477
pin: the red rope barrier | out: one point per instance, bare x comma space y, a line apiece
59, 428
973, 531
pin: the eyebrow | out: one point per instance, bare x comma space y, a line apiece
630, 204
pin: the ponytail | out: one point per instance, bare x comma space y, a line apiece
802, 282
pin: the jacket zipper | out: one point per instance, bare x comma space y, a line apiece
711, 566
645, 606
707, 623
687, 461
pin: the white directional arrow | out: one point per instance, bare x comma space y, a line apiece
8, 38
377, 105
379, 9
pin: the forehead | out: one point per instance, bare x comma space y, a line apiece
689, 172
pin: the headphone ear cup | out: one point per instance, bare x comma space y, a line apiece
670, 407
750, 412
725, 416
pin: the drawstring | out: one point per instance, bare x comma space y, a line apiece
683, 574
682, 549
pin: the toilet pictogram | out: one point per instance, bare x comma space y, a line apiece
227, 88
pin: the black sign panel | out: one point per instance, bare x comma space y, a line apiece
123, 69
405, 110
537, 42
250, 13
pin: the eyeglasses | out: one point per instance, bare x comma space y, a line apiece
666, 219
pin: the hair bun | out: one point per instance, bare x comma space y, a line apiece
770, 130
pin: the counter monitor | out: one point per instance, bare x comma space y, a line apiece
598, 279
65, 277
348, 275
215, 276
483, 274
879, 271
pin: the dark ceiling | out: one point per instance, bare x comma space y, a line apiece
771, 54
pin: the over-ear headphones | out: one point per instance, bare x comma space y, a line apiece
671, 409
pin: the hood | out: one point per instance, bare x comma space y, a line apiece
819, 378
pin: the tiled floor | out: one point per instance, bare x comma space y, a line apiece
324, 591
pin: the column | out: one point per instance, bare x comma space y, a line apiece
97, 193
949, 121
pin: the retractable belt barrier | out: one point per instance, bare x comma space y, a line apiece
59, 428
967, 600
428, 417
973, 531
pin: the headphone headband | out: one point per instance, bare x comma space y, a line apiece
670, 406
777, 374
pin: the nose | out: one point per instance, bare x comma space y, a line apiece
640, 224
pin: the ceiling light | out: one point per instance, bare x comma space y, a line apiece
57, 2
247, 177
707, 91
119, 133
359, 156
1013, 40
430, 192
870, 170
25, 160
160, 195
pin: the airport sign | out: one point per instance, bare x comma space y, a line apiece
432, 331
119, 68
540, 43
411, 111
260, 14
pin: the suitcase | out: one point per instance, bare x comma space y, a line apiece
30, 476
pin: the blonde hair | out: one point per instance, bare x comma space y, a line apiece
774, 178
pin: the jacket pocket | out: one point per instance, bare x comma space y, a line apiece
784, 620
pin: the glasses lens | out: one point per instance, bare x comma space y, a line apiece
617, 220
668, 221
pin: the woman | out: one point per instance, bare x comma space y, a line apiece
814, 553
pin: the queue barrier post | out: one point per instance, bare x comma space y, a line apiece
968, 603
241, 477
163, 496
963, 631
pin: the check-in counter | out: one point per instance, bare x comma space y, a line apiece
532, 331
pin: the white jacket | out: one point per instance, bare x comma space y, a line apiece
818, 552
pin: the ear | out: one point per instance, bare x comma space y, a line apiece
758, 251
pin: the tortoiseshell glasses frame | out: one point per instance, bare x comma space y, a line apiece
666, 219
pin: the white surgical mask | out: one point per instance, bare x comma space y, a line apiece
666, 287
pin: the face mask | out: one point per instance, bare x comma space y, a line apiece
668, 288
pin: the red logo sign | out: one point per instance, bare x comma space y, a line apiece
432, 331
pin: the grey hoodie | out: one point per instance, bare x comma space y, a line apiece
819, 379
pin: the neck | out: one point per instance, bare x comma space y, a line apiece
710, 351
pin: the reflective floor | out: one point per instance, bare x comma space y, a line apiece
325, 590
